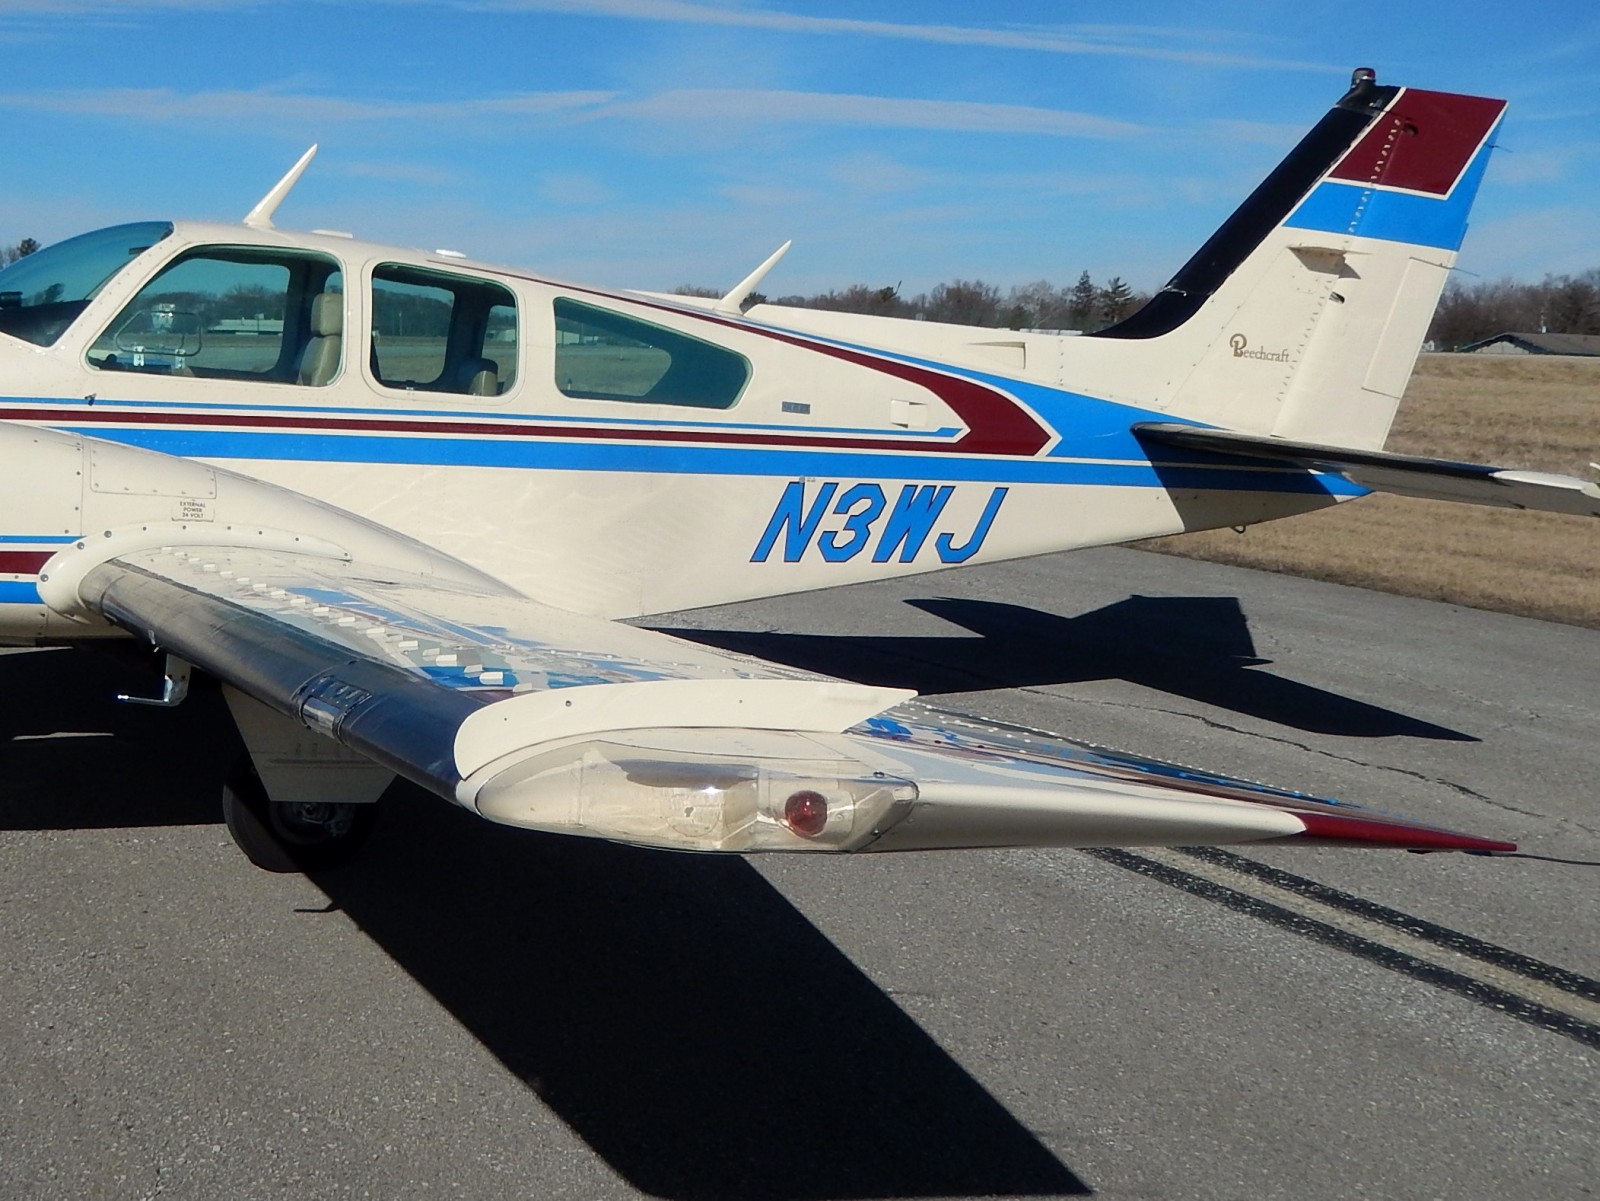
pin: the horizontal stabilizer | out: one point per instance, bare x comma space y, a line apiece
1383, 471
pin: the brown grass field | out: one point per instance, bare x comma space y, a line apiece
1514, 411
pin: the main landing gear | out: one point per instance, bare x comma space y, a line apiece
297, 801
291, 836
294, 801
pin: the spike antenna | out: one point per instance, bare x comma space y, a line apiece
733, 302
260, 217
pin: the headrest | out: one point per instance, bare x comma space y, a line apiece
327, 314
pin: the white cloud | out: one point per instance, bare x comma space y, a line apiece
389, 172
1127, 41
1277, 134
878, 175
691, 106
81, 8
1517, 168
575, 189
258, 105
1120, 41
1560, 240
751, 106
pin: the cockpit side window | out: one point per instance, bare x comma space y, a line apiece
433, 331
235, 313
42, 294
602, 354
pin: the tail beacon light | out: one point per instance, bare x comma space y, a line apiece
737, 790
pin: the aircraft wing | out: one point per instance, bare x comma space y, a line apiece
538, 717
1403, 475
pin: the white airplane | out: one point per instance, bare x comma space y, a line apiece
396, 500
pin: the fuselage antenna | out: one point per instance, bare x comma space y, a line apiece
733, 302
260, 217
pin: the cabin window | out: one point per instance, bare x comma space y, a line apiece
436, 332
42, 294
606, 355
235, 313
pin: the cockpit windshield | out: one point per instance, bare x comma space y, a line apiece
41, 294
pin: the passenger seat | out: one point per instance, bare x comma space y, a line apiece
476, 377
319, 362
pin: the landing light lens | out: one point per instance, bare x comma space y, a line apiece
700, 789
806, 813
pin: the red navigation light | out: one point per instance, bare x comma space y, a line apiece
806, 812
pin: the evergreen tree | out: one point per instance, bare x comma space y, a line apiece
1115, 301
10, 254
1081, 302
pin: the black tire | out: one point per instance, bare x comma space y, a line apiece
291, 837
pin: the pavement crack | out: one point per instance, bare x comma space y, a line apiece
1282, 740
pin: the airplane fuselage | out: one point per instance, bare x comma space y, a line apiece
539, 429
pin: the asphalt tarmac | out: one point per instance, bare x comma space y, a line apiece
478, 1012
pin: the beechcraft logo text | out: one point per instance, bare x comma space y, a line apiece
1241, 350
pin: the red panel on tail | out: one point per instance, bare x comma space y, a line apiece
1422, 144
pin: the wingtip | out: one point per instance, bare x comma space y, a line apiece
1372, 831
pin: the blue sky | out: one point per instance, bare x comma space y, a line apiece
651, 143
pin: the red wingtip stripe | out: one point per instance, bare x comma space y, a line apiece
1422, 144
1377, 831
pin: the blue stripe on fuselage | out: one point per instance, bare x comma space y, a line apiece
678, 459
1094, 445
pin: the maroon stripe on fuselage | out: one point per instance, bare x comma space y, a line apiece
500, 429
996, 423
1422, 144
23, 562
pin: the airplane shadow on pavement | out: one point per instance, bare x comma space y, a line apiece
1197, 647
683, 1018
675, 1011
77, 758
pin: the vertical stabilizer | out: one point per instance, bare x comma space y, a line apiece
1302, 316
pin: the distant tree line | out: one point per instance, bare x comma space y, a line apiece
10, 254
1086, 305
1469, 311
1472, 310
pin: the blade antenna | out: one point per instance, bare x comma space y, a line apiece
260, 217
733, 302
